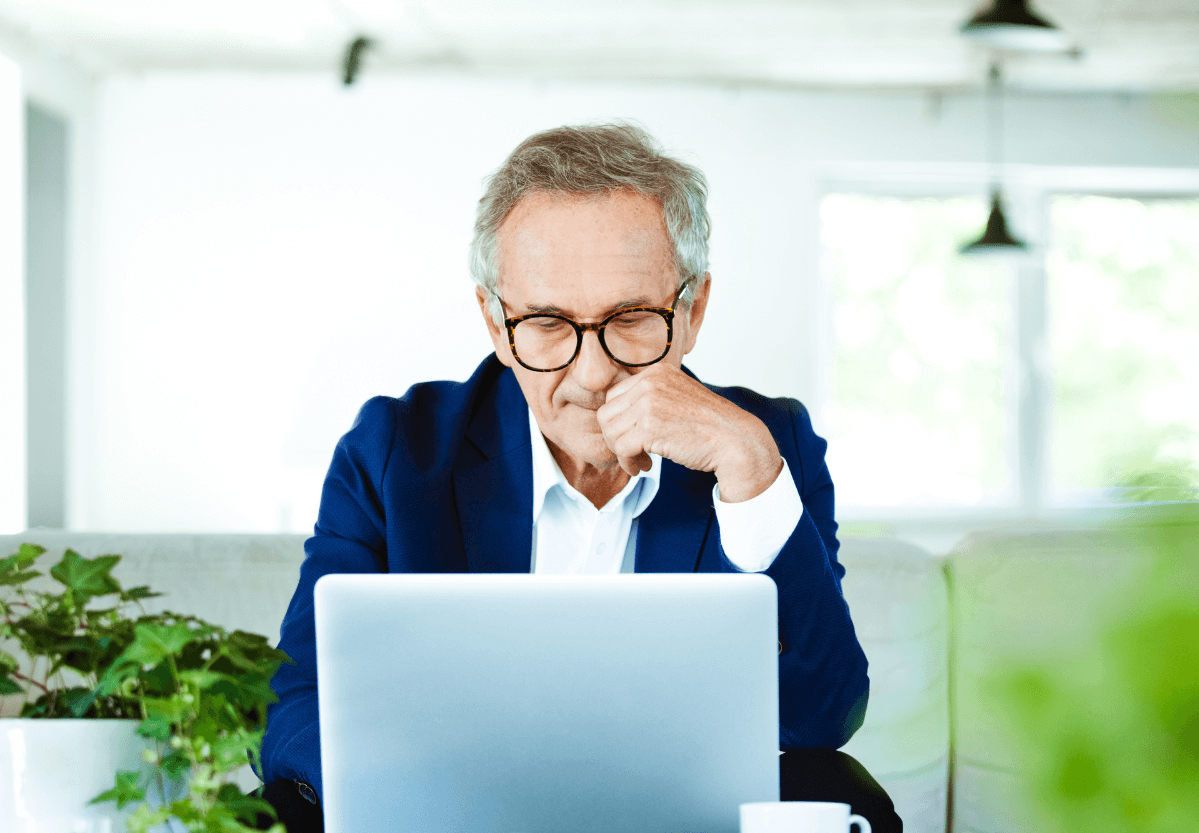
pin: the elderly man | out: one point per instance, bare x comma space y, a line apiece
583, 446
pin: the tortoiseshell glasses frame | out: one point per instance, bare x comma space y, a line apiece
667, 313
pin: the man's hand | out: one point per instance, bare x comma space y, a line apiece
664, 411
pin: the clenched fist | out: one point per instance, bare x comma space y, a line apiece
664, 411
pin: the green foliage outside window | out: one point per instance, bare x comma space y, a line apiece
1123, 280
920, 410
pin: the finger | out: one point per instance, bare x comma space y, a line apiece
633, 466
625, 385
622, 407
618, 399
616, 422
621, 435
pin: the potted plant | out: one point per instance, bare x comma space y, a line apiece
163, 707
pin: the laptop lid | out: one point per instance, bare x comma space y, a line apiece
541, 704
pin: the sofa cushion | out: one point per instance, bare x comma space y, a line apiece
236, 581
898, 598
1019, 597
896, 593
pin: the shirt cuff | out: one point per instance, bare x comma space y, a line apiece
753, 532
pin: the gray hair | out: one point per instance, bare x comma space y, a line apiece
595, 160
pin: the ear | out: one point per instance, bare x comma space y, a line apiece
695, 313
499, 335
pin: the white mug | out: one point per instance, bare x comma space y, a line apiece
799, 817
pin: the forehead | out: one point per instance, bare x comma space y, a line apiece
557, 248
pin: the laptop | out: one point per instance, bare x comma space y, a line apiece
546, 704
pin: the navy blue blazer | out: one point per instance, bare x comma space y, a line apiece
441, 481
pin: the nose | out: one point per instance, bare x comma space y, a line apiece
593, 369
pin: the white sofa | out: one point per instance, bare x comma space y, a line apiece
932, 630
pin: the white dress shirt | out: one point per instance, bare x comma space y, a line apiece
571, 536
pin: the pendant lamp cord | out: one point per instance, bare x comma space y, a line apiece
995, 126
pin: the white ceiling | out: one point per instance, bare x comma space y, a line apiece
1124, 44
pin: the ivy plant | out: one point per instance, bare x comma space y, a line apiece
199, 691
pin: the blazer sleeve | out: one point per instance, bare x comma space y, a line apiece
823, 682
349, 537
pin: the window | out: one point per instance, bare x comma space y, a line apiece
933, 354
1123, 285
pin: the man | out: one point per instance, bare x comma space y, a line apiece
584, 446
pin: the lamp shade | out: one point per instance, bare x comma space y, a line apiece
1008, 24
996, 238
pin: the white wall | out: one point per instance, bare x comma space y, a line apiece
262, 243
54, 83
12, 299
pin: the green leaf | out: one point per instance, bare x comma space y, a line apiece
144, 818
8, 662
151, 645
134, 594
154, 643
175, 763
116, 674
28, 553
244, 807
164, 708
205, 679
86, 577
7, 578
22, 558
156, 728
186, 811
79, 701
9, 685
125, 791
230, 752
81, 653
38, 708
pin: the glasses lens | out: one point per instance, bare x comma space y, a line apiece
544, 342
637, 337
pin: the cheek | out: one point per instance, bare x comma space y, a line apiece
678, 346
538, 388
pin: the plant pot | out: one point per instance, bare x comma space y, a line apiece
51, 769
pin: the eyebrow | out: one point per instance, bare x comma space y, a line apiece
553, 309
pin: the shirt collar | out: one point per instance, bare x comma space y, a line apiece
547, 475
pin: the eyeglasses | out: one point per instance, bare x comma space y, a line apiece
634, 337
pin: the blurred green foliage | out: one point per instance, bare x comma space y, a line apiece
1109, 742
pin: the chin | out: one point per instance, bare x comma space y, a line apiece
592, 450
603, 458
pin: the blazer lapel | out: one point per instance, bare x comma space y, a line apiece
495, 496
672, 531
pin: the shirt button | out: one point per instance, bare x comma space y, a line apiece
601, 548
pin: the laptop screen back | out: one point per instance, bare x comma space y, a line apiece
545, 704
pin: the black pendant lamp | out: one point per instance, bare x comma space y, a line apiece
1008, 24
995, 238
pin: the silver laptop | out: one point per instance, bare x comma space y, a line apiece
546, 704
